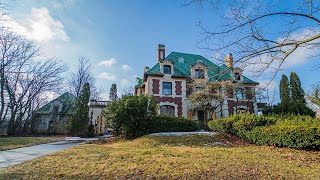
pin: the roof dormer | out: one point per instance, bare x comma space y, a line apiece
166, 67
199, 71
237, 74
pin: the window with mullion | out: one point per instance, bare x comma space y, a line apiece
167, 88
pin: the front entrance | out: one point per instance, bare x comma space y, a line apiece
200, 115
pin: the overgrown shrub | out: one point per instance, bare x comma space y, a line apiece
164, 123
135, 116
131, 115
302, 132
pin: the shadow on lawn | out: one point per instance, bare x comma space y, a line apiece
195, 140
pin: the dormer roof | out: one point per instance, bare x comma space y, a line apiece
182, 68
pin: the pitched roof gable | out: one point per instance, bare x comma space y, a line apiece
66, 99
184, 61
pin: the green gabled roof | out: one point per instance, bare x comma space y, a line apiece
140, 82
66, 99
155, 70
225, 74
182, 69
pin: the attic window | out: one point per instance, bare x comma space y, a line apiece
167, 69
199, 73
237, 76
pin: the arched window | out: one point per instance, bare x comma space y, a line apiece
167, 110
199, 73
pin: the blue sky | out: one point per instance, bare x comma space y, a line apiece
120, 37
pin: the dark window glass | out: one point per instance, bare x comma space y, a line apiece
167, 88
167, 110
167, 69
237, 76
199, 73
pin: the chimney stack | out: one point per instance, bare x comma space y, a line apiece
161, 52
228, 60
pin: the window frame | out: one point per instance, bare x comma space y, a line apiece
197, 73
167, 89
167, 67
237, 76
171, 110
239, 91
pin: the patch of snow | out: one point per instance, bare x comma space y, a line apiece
183, 133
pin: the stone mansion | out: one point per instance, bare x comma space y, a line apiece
167, 82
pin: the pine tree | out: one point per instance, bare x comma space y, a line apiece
79, 121
284, 90
113, 93
297, 92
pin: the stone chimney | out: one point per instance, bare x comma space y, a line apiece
161, 52
228, 60
146, 69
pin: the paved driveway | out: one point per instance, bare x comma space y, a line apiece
20, 155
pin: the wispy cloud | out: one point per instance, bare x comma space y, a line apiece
107, 76
39, 26
299, 57
126, 67
108, 63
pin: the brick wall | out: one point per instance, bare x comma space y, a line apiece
155, 86
178, 87
232, 104
175, 100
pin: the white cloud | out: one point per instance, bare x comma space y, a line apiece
107, 76
108, 63
300, 56
38, 26
126, 67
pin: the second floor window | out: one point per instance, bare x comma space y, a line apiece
239, 94
167, 69
199, 73
167, 88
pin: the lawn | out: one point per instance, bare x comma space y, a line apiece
171, 157
16, 142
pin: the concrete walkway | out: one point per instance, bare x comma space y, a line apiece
20, 155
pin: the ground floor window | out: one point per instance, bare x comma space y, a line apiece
167, 110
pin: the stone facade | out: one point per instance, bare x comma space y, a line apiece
167, 82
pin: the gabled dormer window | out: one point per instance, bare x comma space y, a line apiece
237, 76
199, 73
166, 69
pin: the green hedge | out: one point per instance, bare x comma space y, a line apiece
302, 132
164, 123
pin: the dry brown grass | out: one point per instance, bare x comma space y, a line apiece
171, 157
17, 142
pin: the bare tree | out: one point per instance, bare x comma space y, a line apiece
128, 91
208, 96
81, 76
261, 35
23, 80
314, 95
